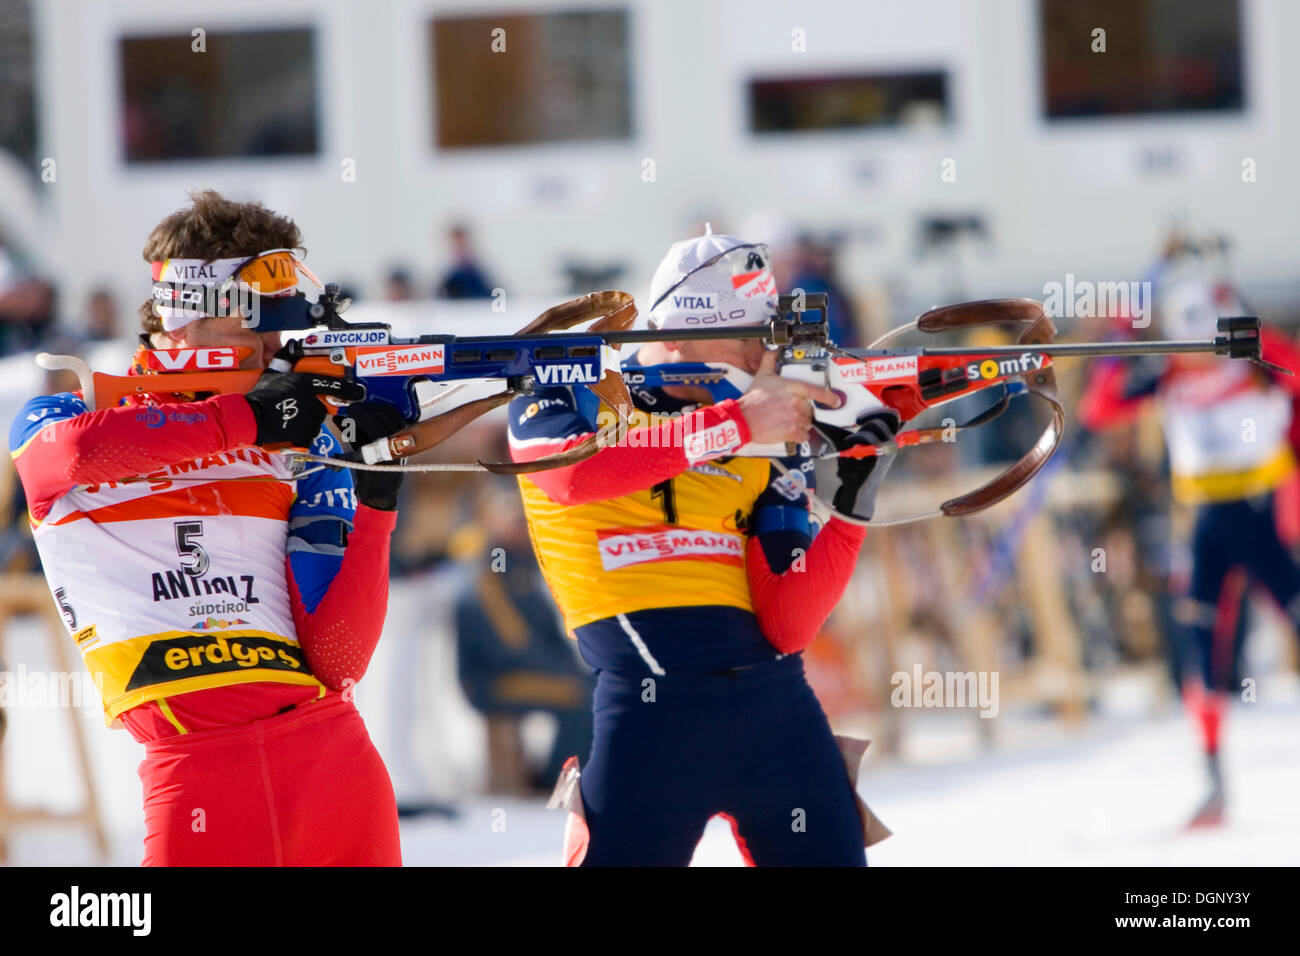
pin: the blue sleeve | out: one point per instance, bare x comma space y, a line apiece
552, 414
781, 518
42, 411
319, 521
1155, 275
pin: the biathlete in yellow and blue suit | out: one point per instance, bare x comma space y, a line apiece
692, 579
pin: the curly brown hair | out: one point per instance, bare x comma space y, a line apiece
214, 227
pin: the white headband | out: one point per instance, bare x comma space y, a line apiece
185, 288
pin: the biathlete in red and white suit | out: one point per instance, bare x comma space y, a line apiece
223, 604
1228, 429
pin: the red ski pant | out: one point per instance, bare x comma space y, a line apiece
302, 788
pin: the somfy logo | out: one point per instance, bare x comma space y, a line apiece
103, 909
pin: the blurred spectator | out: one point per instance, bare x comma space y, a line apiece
398, 287
100, 324
814, 270
513, 657
349, 291
27, 314
17, 550
465, 279
101, 316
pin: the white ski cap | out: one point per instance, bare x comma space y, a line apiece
1191, 309
713, 281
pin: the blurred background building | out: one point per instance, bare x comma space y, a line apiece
950, 148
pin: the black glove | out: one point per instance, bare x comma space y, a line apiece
287, 407
366, 422
860, 478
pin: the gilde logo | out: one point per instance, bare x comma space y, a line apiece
712, 442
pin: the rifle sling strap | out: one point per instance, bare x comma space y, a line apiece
1038, 330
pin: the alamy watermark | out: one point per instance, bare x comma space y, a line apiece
945, 689
133, 911
21, 688
1083, 298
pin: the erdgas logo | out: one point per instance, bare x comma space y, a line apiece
194, 655
997, 367
581, 372
154, 417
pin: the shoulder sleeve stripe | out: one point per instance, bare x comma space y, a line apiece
38, 414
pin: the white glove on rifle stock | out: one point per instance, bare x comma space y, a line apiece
861, 422
860, 478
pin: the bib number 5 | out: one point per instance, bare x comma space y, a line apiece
194, 560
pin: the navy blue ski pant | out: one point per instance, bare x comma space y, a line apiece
1230, 538
751, 744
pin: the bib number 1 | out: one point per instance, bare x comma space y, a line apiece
664, 492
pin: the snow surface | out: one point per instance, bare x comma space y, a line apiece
1114, 791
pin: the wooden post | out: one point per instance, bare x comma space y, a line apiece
28, 594
1060, 674
893, 626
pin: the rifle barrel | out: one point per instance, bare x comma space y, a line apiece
1052, 348
1063, 348
1219, 345
613, 338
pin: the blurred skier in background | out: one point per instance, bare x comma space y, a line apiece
1229, 429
